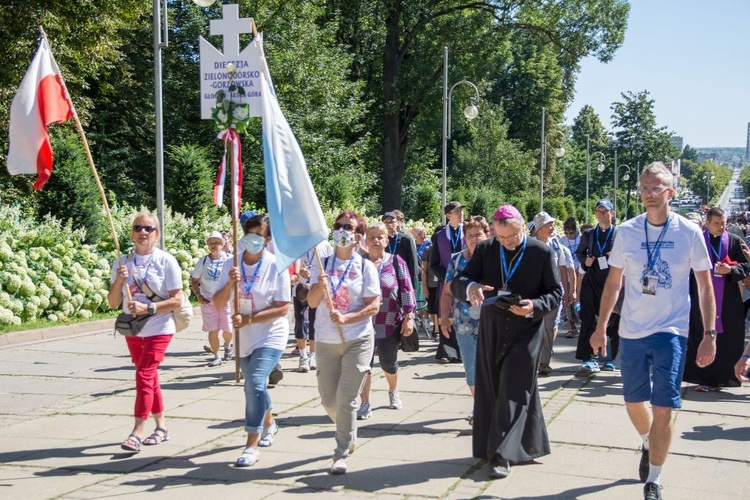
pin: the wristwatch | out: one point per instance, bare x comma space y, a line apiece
151, 309
710, 333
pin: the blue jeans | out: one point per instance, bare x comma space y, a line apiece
256, 368
468, 346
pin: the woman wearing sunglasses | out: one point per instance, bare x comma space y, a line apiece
154, 279
264, 297
344, 334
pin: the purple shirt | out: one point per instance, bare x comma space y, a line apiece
397, 296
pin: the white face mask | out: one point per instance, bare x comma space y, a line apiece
253, 243
343, 238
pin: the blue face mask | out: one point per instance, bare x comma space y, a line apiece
253, 243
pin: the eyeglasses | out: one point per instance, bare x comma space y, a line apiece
516, 236
656, 190
345, 227
601, 212
138, 228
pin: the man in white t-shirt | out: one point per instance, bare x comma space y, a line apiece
655, 252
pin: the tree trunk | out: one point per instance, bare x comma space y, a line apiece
394, 150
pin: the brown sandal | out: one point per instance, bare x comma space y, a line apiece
156, 437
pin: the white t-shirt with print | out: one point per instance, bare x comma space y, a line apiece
269, 286
150, 278
208, 271
361, 281
681, 249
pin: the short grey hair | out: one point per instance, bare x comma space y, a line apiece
376, 225
517, 221
658, 169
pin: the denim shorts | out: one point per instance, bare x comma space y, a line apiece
652, 368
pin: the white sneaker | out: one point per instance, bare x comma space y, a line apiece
364, 411
304, 365
249, 457
395, 398
215, 362
228, 352
338, 467
313, 362
266, 437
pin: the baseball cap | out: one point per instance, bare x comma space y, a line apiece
244, 216
389, 214
542, 218
452, 206
506, 212
604, 203
215, 235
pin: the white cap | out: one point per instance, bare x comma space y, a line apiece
215, 235
542, 218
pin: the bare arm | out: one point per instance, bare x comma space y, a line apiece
114, 297
221, 297
707, 348
276, 310
609, 299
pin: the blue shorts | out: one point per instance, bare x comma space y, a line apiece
652, 367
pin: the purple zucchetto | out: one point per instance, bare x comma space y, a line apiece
507, 212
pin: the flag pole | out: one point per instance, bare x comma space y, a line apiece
88, 151
327, 292
236, 263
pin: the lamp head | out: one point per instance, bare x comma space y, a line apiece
471, 111
559, 151
204, 3
600, 167
626, 177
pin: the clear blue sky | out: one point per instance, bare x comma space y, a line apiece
692, 56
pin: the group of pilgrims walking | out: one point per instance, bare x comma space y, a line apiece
659, 295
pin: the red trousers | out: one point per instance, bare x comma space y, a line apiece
147, 353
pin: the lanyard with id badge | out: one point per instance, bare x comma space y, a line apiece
650, 276
246, 302
602, 260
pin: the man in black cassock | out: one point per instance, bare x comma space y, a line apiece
508, 421
731, 267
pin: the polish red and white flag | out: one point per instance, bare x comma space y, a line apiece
41, 100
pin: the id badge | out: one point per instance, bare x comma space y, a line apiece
246, 306
649, 284
602, 263
501, 293
716, 271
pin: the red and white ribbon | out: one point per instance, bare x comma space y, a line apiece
231, 139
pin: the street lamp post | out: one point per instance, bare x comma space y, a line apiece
159, 116
543, 163
600, 168
625, 177
470, 112
708, 177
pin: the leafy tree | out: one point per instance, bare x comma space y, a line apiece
71, 193
410, 41
689, 153
639, 140
188, 179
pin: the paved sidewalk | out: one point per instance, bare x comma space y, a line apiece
66, 403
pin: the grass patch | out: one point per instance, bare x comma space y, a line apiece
45, 323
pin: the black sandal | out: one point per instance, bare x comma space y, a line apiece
132, 443
157, 438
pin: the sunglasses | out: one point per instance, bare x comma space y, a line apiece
138, 228
345, 227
